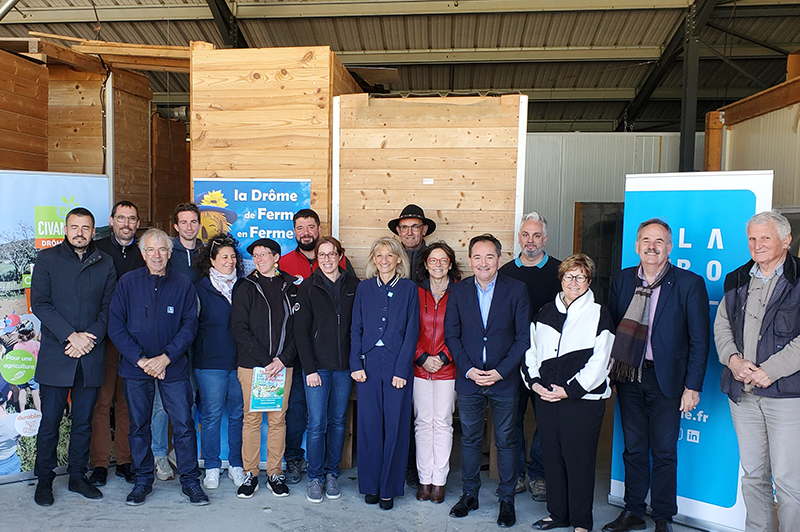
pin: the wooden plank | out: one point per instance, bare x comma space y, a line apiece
24, 106
75, 94
375, 217
150, 65
80, 115
261, 121
23, 67
256, 99
67, 73
294, 163
455, 137
777, 97
483, 200
225, 82
712, 152
449, 158
132, 83
17, 123
90, 161
133, 50
67, 56
17, 160
243, 140
244, 59
342, 82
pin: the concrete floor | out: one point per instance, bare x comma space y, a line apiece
168, 509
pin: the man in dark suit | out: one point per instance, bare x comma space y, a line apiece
71, 291
486, 328
658, 363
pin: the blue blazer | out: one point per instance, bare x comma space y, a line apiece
506, 335
681, 329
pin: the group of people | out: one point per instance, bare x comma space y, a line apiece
186, 327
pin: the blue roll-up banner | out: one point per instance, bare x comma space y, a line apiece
708, 212
250, 209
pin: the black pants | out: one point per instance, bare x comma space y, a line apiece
570, 430
54, 401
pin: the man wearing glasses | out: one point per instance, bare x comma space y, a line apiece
539, 272
122, 246
153, 321
411, 227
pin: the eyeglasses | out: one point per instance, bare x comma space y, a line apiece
433, 262
120, 219
153, 251
407, 228
263, 254
331, 255
568, 277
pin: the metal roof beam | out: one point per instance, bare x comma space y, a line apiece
745, 37
227, 24
327, 8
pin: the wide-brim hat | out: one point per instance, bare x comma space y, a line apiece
412, 211
213, 200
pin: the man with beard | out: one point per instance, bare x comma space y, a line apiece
71, 291
539, 272
121, 245
300, 262
658, 363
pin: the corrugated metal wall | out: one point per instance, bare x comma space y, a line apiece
564, 168
769, 142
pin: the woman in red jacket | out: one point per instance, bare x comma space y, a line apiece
434, 372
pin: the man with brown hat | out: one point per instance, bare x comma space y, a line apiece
412, 226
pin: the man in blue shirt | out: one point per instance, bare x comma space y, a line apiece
486, 328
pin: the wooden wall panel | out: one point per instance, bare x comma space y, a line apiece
23, 114
170, 168
391, 149
76, 130
265, 114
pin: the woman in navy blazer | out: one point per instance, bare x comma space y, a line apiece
383, 339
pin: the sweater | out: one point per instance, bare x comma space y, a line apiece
571, 348
126, 258
542, 280
182, 258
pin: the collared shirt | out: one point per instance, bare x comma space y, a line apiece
485, 303
648, 350
759, 293
387, 287
540, 264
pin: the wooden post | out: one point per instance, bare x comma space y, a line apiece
793, 65
712, 154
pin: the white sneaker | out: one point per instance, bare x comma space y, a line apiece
163, 469
212, 478
236, 474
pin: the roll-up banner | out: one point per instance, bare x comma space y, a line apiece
32, 218
708, 212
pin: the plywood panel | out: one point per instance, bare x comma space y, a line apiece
264, 114
23, 114
454, 157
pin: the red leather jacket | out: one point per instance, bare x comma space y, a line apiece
431, 335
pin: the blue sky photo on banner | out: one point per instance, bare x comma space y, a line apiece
250, 209
32, 219
708, 213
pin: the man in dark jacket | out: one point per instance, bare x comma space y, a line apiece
757, 332
153, 320
261, 320
71, 290
186, 221
121, 245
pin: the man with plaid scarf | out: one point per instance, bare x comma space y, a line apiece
658, 363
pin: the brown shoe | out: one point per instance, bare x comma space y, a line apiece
424, 492
437, 494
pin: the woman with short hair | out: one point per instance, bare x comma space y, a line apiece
567, 367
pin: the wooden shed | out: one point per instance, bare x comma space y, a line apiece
459, 158
266, 114
23, 113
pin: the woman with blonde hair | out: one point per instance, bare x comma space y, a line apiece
383, 339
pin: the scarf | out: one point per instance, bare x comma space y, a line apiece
630, 340
223, 283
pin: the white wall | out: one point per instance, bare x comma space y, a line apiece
564, 168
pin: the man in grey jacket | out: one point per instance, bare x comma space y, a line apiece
71, 291
757, 333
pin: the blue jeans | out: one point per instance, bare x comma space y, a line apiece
220, 389
472, 411
159, 427
176, 396
536, 468
327, 413
10, 465
296, 416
